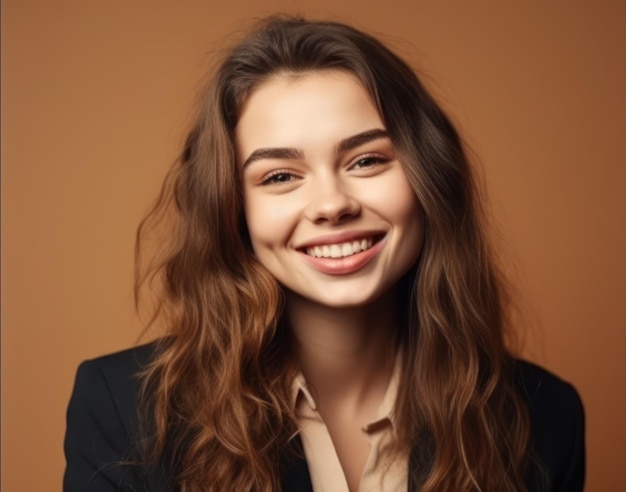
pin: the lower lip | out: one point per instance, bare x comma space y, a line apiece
345, 265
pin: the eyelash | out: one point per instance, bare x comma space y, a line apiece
375, 160
271, 178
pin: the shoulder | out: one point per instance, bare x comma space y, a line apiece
557, 423
102, 420
547, 395
554, 404
131, 359
115, 378
121, 367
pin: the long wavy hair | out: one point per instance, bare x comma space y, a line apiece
216, 397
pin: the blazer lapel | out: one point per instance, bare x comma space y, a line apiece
294, 472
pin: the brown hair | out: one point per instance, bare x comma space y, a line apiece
217, 394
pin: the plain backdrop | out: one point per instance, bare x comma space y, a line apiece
96, 98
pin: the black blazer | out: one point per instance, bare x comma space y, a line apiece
102, 423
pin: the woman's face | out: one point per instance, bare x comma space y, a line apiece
329, 209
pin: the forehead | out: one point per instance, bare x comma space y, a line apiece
303, 110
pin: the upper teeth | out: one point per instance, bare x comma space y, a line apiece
339, 250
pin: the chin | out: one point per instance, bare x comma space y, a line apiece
340, 299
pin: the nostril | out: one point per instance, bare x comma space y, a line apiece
334, 211
348, 215
335, 218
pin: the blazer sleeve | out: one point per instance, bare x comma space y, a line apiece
97, 437
558, 423
569, 429
574, 478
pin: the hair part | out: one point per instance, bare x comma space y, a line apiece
217, 395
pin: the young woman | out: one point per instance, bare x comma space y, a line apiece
336, 318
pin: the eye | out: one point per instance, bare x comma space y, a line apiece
278, 177
367, 162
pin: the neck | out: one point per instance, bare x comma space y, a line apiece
345, 354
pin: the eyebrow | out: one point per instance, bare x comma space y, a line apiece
293, 153
360, 139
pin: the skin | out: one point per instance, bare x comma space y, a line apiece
318, 169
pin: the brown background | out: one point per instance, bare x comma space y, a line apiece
96, 98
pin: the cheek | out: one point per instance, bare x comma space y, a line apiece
405, 213
411, 215
268, 221
395, 198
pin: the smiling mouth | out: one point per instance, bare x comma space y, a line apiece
341, 250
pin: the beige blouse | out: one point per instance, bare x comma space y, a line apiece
380, 473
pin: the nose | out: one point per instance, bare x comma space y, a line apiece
330, 201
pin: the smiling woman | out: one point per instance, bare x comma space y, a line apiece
337, 321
